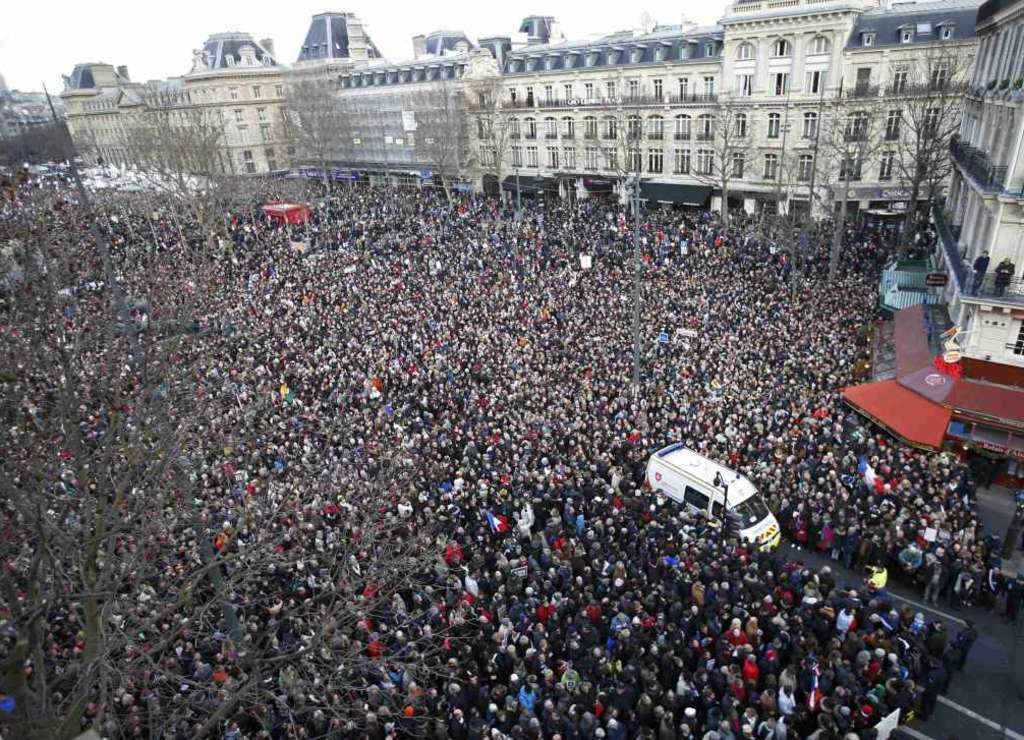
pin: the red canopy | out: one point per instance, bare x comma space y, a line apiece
907, 415
287, 213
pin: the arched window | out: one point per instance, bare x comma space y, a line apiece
531, 128
682, 128
590, 127
634, 127
655, 127
781, 48
610, 127
550, 128
568, 128
819, 45
774, 125
705, 127
810, 125
745, 51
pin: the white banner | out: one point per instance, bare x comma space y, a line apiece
408, 120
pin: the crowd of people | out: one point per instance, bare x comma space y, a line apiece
419, 478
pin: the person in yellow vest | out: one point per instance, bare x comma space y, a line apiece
878, 578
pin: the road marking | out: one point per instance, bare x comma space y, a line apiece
1007, 732
927, 608
911, 732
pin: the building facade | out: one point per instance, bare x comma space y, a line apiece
984, 214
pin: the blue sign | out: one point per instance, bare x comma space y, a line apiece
663, 338
426, 174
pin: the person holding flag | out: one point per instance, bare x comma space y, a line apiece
497, 523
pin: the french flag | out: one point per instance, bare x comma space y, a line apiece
497, 523
865, 469
814, 696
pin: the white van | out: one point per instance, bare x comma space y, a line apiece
688, 478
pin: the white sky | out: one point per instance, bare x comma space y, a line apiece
42, 39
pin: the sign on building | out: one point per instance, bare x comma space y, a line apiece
408, 120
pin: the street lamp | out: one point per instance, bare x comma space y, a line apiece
720, 482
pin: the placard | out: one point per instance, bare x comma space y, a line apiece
586, 261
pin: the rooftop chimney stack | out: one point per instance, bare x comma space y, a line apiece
419, 46
268, 44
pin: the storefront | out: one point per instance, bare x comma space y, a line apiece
683, 194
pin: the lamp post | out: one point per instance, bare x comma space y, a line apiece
720, 482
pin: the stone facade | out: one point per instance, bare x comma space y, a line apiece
985, 208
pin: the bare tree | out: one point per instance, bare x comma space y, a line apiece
849, 138
182, 150
319, 124
927, 105
442, 133
729, 140
493, 128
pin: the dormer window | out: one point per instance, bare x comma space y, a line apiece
590, 60
907, 36
530, 64
636, 55
659, 53
613, 57
867, 39
946, 33
229, 60
709, 50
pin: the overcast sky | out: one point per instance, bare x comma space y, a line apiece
42, 39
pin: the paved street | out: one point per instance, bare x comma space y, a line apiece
986, 696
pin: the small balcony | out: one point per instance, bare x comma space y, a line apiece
681, 136
550, 135
990, 287
975, 162
655, 136
706, 136
693, 98
864, 91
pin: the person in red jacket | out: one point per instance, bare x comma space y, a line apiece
751, 672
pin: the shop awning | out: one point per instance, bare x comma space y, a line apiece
912, 418
671, 192
531, 184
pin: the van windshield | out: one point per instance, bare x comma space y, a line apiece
750, 511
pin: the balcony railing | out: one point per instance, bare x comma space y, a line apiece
708, 136
682, 136
863, 91
550, 136
693, 98
655, 136
990, 285
976, 163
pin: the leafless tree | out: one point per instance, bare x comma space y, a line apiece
730, 143
848, 140
182, 149
493, 128
319, 125
926, 105
442, 133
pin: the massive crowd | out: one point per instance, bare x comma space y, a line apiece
454, 374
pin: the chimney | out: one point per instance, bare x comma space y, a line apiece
419, 46
123, 72
268, 44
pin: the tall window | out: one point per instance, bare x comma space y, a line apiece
899, 79
705, 127
885, 165
709, 86
257, 91
233, 93
588, 90
682, 162
635, 160
771, 166
931, 121
611, 128
745, 85
553, 157
745, 51
857, 127
590, 127
705, 162
740, 122
850, 168
591, 158
531, 128
655, 128
517, 156
738, 162
247, 160
549, 93
938, 77
610, 88
819, 45
569, 155
279, 91
514, 128
781, 48
774, 125
816, 81
568, 128
803, 167
550, 128
611, 158
531, 156
567, 91
892, 124
780, 83
684, 88
682, 128
634, 89
659, 90
655, 160
634, 127
810, 129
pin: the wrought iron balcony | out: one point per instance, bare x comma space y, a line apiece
863, 91
976, 163
693, 98
988, 286
682, 136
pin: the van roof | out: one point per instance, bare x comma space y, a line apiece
695, 465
